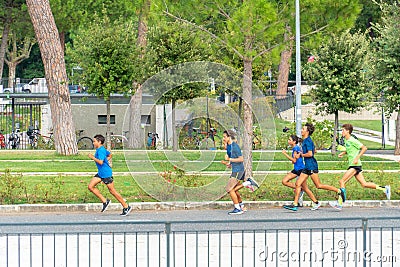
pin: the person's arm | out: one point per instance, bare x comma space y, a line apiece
99, 161
362, 151
238, 159
292, 159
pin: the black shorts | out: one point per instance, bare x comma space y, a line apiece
357, 168
309, 172
238, 175
107, 180
297, 172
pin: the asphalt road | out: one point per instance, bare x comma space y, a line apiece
198, 220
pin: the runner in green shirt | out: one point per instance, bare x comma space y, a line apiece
354, 150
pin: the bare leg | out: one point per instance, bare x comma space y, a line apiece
287, 178
307, 190
234, 195
303, 177
92, 188
346, 177
365, 184
319, 185
114, 192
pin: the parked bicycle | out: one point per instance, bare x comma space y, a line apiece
84, 142
2, 140
14, 139
118, 141
38, 140
152, 140
202, 140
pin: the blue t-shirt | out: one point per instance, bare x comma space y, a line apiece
235, 153
229, 149
310, 163
299, 165
104, 170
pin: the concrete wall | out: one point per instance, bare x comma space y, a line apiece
85, 117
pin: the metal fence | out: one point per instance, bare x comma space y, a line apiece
15, 119
306, 242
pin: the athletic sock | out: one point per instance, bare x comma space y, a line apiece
237, 206
246, 183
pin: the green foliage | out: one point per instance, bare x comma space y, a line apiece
387, 59
172, 43
12, 188
322, 136
106, 51
342, 72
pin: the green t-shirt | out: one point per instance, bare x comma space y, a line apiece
353, 147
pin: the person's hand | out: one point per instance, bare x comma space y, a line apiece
355, 161
90, 155
284, 151
341, 155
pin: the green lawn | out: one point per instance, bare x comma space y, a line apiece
150, 166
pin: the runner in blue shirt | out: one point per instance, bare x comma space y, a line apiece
102, 159
235, 159
298, 165
310, 170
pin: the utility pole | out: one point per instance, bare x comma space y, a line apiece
298, 71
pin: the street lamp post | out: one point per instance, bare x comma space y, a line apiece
298, 71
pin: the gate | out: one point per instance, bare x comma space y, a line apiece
16, 117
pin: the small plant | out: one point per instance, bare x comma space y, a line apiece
12, 188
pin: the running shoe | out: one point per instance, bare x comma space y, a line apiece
300, 204
387, 192
235, 211
316, 206
335, 205
290, 207
105, 205
343, 194
340, 200
126, 211
253, 182
242, 207
250, 187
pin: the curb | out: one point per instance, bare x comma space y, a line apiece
171, 206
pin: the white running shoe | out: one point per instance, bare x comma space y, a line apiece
316, 206
335, 205
387, 192
300, 202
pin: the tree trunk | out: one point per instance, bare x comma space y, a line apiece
56, 76
284, 65
108, 131
3, 47
248, 117
397, 143
12, 66
136, 138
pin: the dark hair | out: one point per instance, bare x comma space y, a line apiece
310, 128
348, 127
99, 138
295, 138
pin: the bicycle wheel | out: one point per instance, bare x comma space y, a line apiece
85, 143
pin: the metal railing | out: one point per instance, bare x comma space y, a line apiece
294, 242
